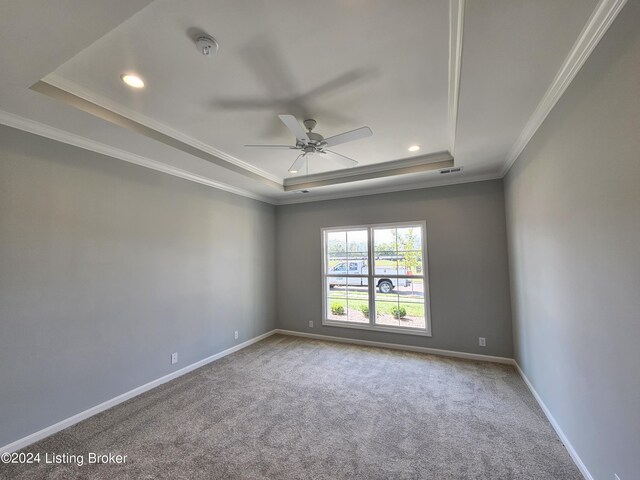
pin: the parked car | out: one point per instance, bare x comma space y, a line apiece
386, 283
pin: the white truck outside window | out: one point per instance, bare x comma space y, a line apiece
386, 282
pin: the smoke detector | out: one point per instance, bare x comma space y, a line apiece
207, 45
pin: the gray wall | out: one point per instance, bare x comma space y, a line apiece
106, 268
573, 203
468, 268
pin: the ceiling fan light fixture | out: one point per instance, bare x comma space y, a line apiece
132, 80
298, 164
414, 148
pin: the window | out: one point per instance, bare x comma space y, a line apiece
375, 277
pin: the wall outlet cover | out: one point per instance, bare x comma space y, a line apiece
482, 341
310, 323
235, 334
174, 358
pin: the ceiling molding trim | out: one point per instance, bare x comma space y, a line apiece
310, 183
43, 130
423, 163
604, 14
456, 30
82, 92
303, 198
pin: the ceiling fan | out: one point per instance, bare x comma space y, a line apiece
311, 143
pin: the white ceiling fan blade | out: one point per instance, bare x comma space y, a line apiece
297, 165
346, 161
356, 134
285, 147
292, 124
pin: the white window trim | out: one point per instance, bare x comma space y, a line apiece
426, 332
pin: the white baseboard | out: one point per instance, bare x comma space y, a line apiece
563, 438
470, 356
45, 432
397, 346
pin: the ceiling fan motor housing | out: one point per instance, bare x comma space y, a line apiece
315, 138
313, 143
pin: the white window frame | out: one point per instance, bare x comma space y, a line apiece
371, 280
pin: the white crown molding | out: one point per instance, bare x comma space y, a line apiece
43, 130
63, 136
598, 23
84, 93
80, 97
456, 30
420, 164
431, 183
604, 14
373, 168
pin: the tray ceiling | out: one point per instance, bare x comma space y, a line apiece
464, 80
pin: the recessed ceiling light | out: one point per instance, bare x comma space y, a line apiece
414, 148
132, 80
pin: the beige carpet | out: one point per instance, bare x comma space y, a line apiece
290, 408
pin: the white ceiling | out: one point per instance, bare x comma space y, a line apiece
345, 63
394, 54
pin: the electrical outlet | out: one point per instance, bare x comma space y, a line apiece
174, 358
310, 323
482, 341
235, 334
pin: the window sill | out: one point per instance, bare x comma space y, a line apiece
387, 329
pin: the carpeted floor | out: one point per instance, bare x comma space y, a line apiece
291, 408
